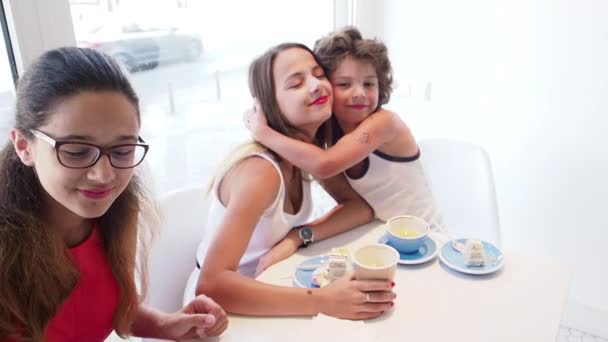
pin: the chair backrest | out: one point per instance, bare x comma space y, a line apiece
460, 174
173, 254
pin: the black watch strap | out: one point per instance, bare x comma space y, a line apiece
306, 234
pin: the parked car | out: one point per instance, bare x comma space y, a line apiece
139, 46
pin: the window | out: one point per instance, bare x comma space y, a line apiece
188, 62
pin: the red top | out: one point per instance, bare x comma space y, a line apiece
88, 313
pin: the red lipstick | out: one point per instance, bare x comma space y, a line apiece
320, 100
96, 193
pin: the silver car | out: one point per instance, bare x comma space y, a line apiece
140, 47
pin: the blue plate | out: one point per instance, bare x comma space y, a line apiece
426, 252
455, 260
303, 275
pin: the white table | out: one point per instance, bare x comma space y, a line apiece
522, 302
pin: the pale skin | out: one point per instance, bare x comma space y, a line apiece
365, 129
245, 199
110, 120
301, 85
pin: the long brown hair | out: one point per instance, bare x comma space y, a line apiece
262, 87
37, 272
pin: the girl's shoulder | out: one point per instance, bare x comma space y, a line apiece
402, 142
263, 163
387, 116
253, 182
258, 172
383, 121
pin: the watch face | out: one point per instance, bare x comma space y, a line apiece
306, 233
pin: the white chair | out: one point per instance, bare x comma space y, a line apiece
173, 254
460, 175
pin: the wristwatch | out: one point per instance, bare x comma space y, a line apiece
306, 235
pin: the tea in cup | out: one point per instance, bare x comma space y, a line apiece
375, 261
407, 233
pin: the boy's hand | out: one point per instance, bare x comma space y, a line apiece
255, 120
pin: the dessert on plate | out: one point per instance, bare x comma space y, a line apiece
337, 265
474, 254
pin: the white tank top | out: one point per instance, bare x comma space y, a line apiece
272, 227
397, 186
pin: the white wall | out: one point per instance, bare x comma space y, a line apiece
528, 80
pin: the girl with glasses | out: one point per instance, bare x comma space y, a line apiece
72, 210
258, 198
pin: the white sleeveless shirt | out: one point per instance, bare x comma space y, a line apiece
273, 226
397, 186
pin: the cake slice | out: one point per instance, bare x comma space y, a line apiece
336, 267
474, 254
319, 277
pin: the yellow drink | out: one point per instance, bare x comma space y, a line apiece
405, 232
372, 261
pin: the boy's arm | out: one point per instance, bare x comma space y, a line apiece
351, 211
352, 148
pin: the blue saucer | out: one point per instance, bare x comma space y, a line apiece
303, 277
426, 252
455, 260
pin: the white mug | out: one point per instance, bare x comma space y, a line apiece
375, 261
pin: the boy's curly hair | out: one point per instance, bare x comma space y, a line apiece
333, 48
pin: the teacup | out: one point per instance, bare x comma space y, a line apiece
375, 261
407, 233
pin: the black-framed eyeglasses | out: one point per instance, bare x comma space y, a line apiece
79, 155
